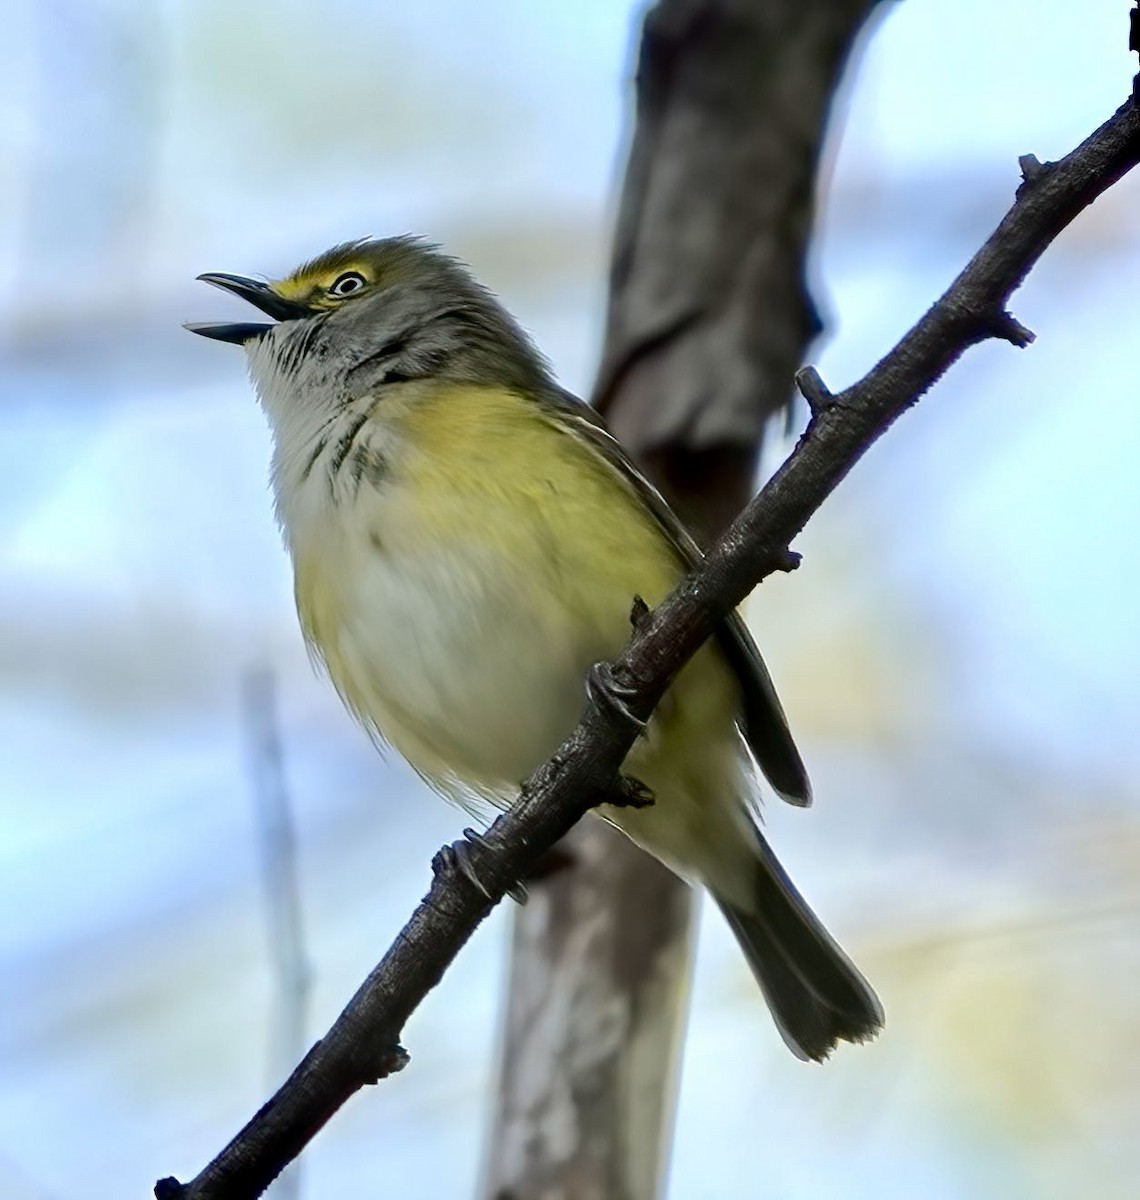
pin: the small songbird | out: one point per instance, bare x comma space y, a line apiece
468, 539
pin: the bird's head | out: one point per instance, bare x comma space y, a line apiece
375, 312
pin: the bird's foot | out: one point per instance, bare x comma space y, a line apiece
458, 856
604, 690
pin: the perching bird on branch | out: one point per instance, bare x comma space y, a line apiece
467, 540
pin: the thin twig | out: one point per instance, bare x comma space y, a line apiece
363, 1043
282, 891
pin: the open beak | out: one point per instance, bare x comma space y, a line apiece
261, 296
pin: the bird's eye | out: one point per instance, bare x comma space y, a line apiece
347, 284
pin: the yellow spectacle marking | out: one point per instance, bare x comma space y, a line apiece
310, 287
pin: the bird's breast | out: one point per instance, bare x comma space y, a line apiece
459, 601
449, 645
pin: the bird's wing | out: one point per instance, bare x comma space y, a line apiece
762, 721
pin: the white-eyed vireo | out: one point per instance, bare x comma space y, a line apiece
467, 540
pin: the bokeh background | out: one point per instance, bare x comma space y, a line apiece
958, 654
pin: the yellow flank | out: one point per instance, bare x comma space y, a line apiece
487, 475
491, 465
458, 605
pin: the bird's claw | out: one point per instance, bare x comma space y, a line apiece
457, 856
604, 690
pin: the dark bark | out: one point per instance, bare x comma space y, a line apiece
363, 1043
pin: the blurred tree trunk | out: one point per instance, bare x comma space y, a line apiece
709, 317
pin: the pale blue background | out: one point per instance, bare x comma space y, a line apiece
958, 652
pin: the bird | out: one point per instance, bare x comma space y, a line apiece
467, 540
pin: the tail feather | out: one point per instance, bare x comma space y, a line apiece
816, 994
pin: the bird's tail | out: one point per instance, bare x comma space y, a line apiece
815, 992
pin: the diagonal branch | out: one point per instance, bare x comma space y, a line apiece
363, 1044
